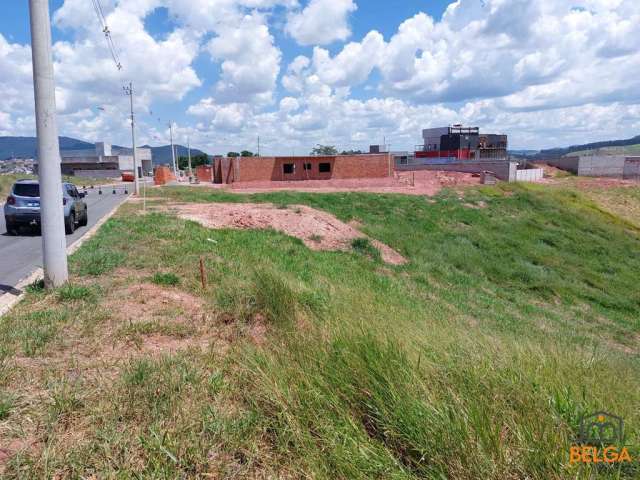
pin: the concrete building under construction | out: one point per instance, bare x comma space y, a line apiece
619, 166
456, 143
276, 169
104, 161
460, 149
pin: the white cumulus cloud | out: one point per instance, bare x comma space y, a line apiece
321, 22
250, 60
547, 72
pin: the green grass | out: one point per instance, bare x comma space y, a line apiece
154, 385
622, 150
6, 405
30, 332
364, 247
165, 278
71, 293
35, 287
476, 359
66, 400
135, 331
623, 203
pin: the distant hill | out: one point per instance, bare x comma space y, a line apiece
631, 145
23, 147
26, 147
523, 153
162, 155
622, 150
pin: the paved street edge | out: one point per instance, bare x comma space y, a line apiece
10, 299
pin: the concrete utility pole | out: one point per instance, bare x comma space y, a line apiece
189, 156
129, 91
54, 245
173, 152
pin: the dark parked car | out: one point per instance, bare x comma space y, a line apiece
23, 206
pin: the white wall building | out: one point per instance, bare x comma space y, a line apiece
104, 160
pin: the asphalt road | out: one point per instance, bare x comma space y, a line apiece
21, 255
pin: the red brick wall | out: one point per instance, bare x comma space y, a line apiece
162, 175
250, 169
363, 166
225, 170
203, 173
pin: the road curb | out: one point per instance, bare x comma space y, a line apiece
11, 298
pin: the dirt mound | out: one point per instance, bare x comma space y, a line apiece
318, 230
144, 301
550, 171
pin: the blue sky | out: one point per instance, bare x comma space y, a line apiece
341, 72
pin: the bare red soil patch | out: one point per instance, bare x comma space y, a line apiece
13, 446
318, 230
143, 301
590, 183
550, 171
556, 176
421, 182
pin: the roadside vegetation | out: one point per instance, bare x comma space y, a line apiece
518, 312
8, 179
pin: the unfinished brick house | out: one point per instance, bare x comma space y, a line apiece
256, 169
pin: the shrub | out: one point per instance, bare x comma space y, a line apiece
363, 246
35, 287
71, 293
167, 279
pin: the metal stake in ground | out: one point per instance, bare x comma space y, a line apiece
203, 274
54, 246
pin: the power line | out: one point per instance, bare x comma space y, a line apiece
98, 8
107, 33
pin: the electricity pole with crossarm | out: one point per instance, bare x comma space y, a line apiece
129, 91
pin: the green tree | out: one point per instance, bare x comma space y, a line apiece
351, 152
324, 150
200, 159
233, 154
246, 153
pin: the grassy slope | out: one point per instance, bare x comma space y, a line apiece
621, 202
475, 360
626, 150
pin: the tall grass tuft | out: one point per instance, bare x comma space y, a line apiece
274, 298
71, 293
364, 247
166, 279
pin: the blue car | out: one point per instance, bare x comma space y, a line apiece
23, 206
